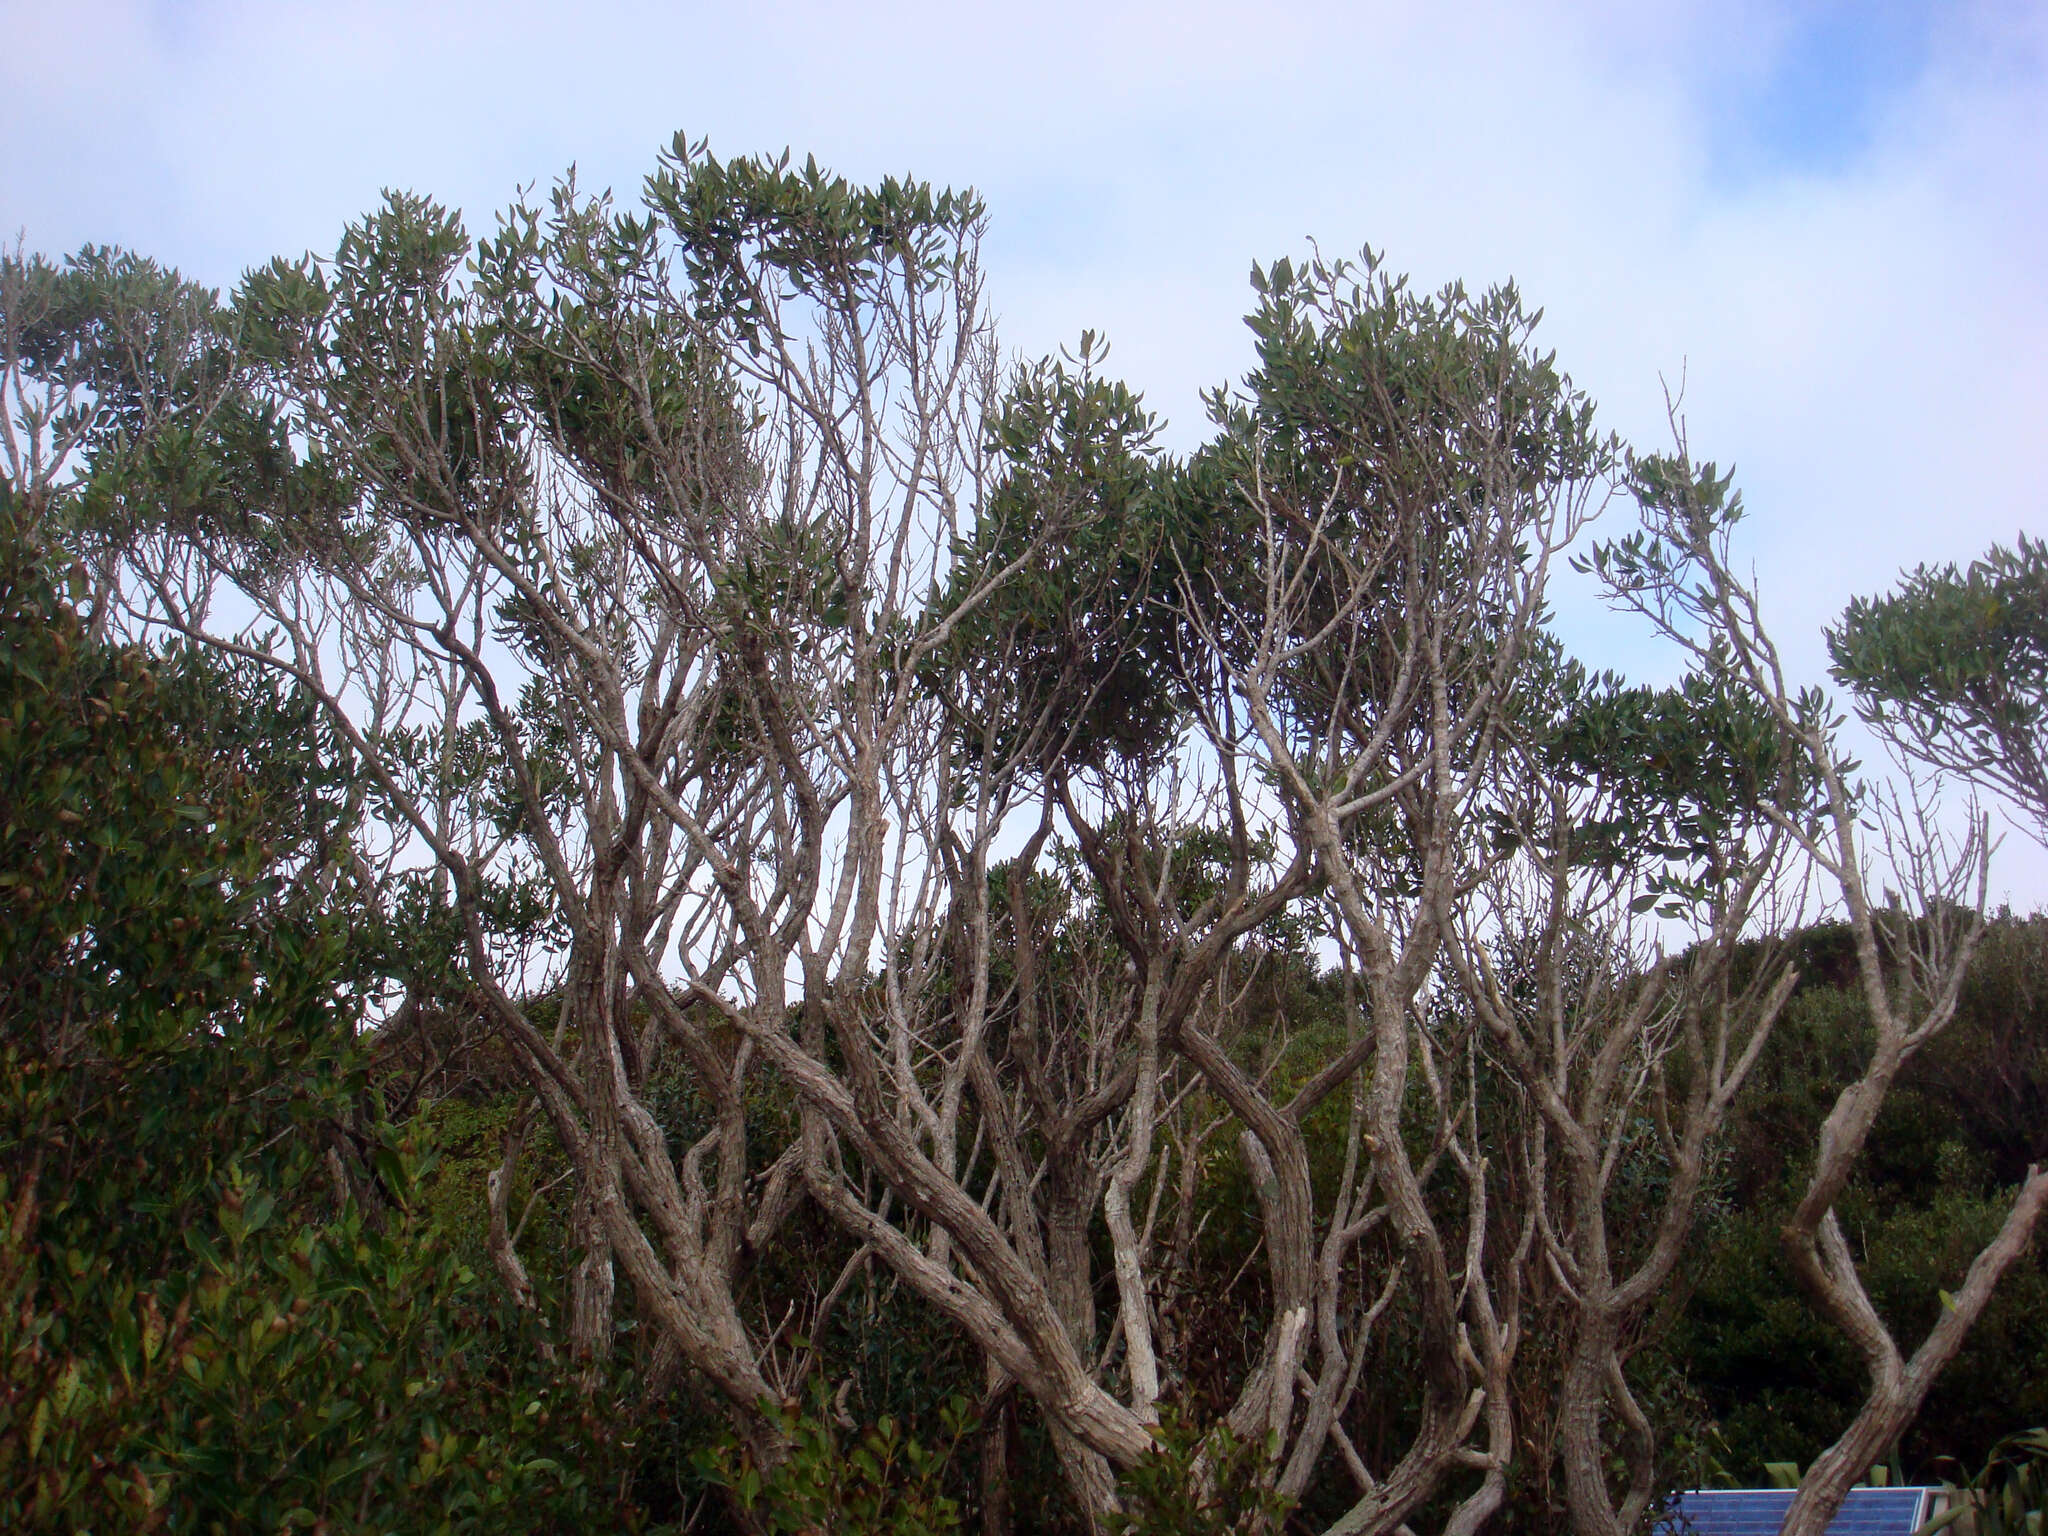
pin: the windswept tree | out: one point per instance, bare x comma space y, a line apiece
620, 585
1622, 802
1912, 949
873, 793
1378, 516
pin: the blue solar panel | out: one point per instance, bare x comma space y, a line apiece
1761, 1512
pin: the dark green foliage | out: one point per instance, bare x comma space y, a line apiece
879, 1481
1077, 656
1393, 454
1678, 776
1773, 1383
1196, 1484
221, 1306
133, 371
825, 233
1953, 668
239, 1278
2008, 1495
1378, 396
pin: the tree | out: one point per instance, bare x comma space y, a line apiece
640, 528
1911, 960
1952, 670
1633, 1059
900, 825
1400, 476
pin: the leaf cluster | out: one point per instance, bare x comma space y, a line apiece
1953, 668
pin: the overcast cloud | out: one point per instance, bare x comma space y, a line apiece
1828, 219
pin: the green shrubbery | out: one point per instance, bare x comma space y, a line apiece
637, 946
1765, 1373
223, 1304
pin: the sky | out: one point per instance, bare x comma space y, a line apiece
1822, 224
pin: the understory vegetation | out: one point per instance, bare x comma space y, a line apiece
645, 889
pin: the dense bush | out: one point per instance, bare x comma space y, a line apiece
223, 1305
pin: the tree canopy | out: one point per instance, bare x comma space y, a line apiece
1953, 669
719, 904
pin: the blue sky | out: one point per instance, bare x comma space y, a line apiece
1823, 87
1827, 219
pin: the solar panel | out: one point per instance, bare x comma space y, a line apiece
1761, 1512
